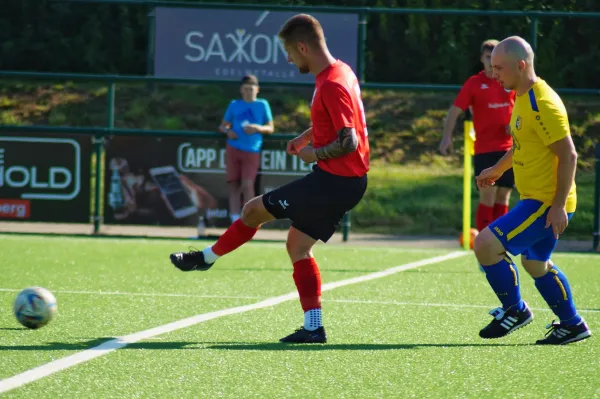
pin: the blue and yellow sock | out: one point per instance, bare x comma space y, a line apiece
504, 279
556, 291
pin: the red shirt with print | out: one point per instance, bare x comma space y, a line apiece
337, 104
491, 106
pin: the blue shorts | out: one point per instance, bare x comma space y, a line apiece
523, 230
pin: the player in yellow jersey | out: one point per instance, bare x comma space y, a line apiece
544, 160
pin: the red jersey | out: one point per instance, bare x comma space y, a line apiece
491, 106
337, 104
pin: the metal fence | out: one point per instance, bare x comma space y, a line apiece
99, 132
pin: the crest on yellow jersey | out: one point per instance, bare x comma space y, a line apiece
518, 123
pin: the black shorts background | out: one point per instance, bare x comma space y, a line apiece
317, 202
487, 160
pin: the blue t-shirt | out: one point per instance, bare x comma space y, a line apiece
239, 113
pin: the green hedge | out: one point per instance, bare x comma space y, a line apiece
95, 38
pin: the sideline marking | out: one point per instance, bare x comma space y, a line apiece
105, 348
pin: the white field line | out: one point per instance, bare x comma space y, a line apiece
117, 343
359, 301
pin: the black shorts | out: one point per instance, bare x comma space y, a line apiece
487, 160
317, 202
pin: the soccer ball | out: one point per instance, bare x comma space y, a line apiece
473, 234
35, 307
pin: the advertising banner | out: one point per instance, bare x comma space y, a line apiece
180, 181
45, 178
227, 44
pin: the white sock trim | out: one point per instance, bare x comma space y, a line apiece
313, 319
209, 255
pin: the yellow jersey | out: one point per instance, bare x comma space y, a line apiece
539, 118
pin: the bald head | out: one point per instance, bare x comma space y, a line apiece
517, 49
512, 64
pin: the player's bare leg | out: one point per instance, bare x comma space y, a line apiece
254, 213
503, 276
548, 280
241, 231
487, 195
307, 278
503, 195
501, 202
488, 248
485, 208
535, 268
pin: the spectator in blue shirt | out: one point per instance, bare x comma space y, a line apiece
245, 122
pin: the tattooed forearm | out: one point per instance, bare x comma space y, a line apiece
346, 143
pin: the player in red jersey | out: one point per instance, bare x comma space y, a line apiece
317, 202
491, 106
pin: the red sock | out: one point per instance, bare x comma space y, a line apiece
236, 235
308, 282
500, 210
484, 216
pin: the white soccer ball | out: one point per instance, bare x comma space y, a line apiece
35, 307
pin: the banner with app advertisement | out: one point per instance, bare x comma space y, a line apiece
227, 44
179, 181
45, 178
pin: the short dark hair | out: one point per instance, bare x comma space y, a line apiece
488, 45
250, 80
302, 28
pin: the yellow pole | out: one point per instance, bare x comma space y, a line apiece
469, 151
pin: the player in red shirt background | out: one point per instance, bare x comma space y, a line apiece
317, 202
491, 106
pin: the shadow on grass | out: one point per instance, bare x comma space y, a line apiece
238, 346
270, 346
